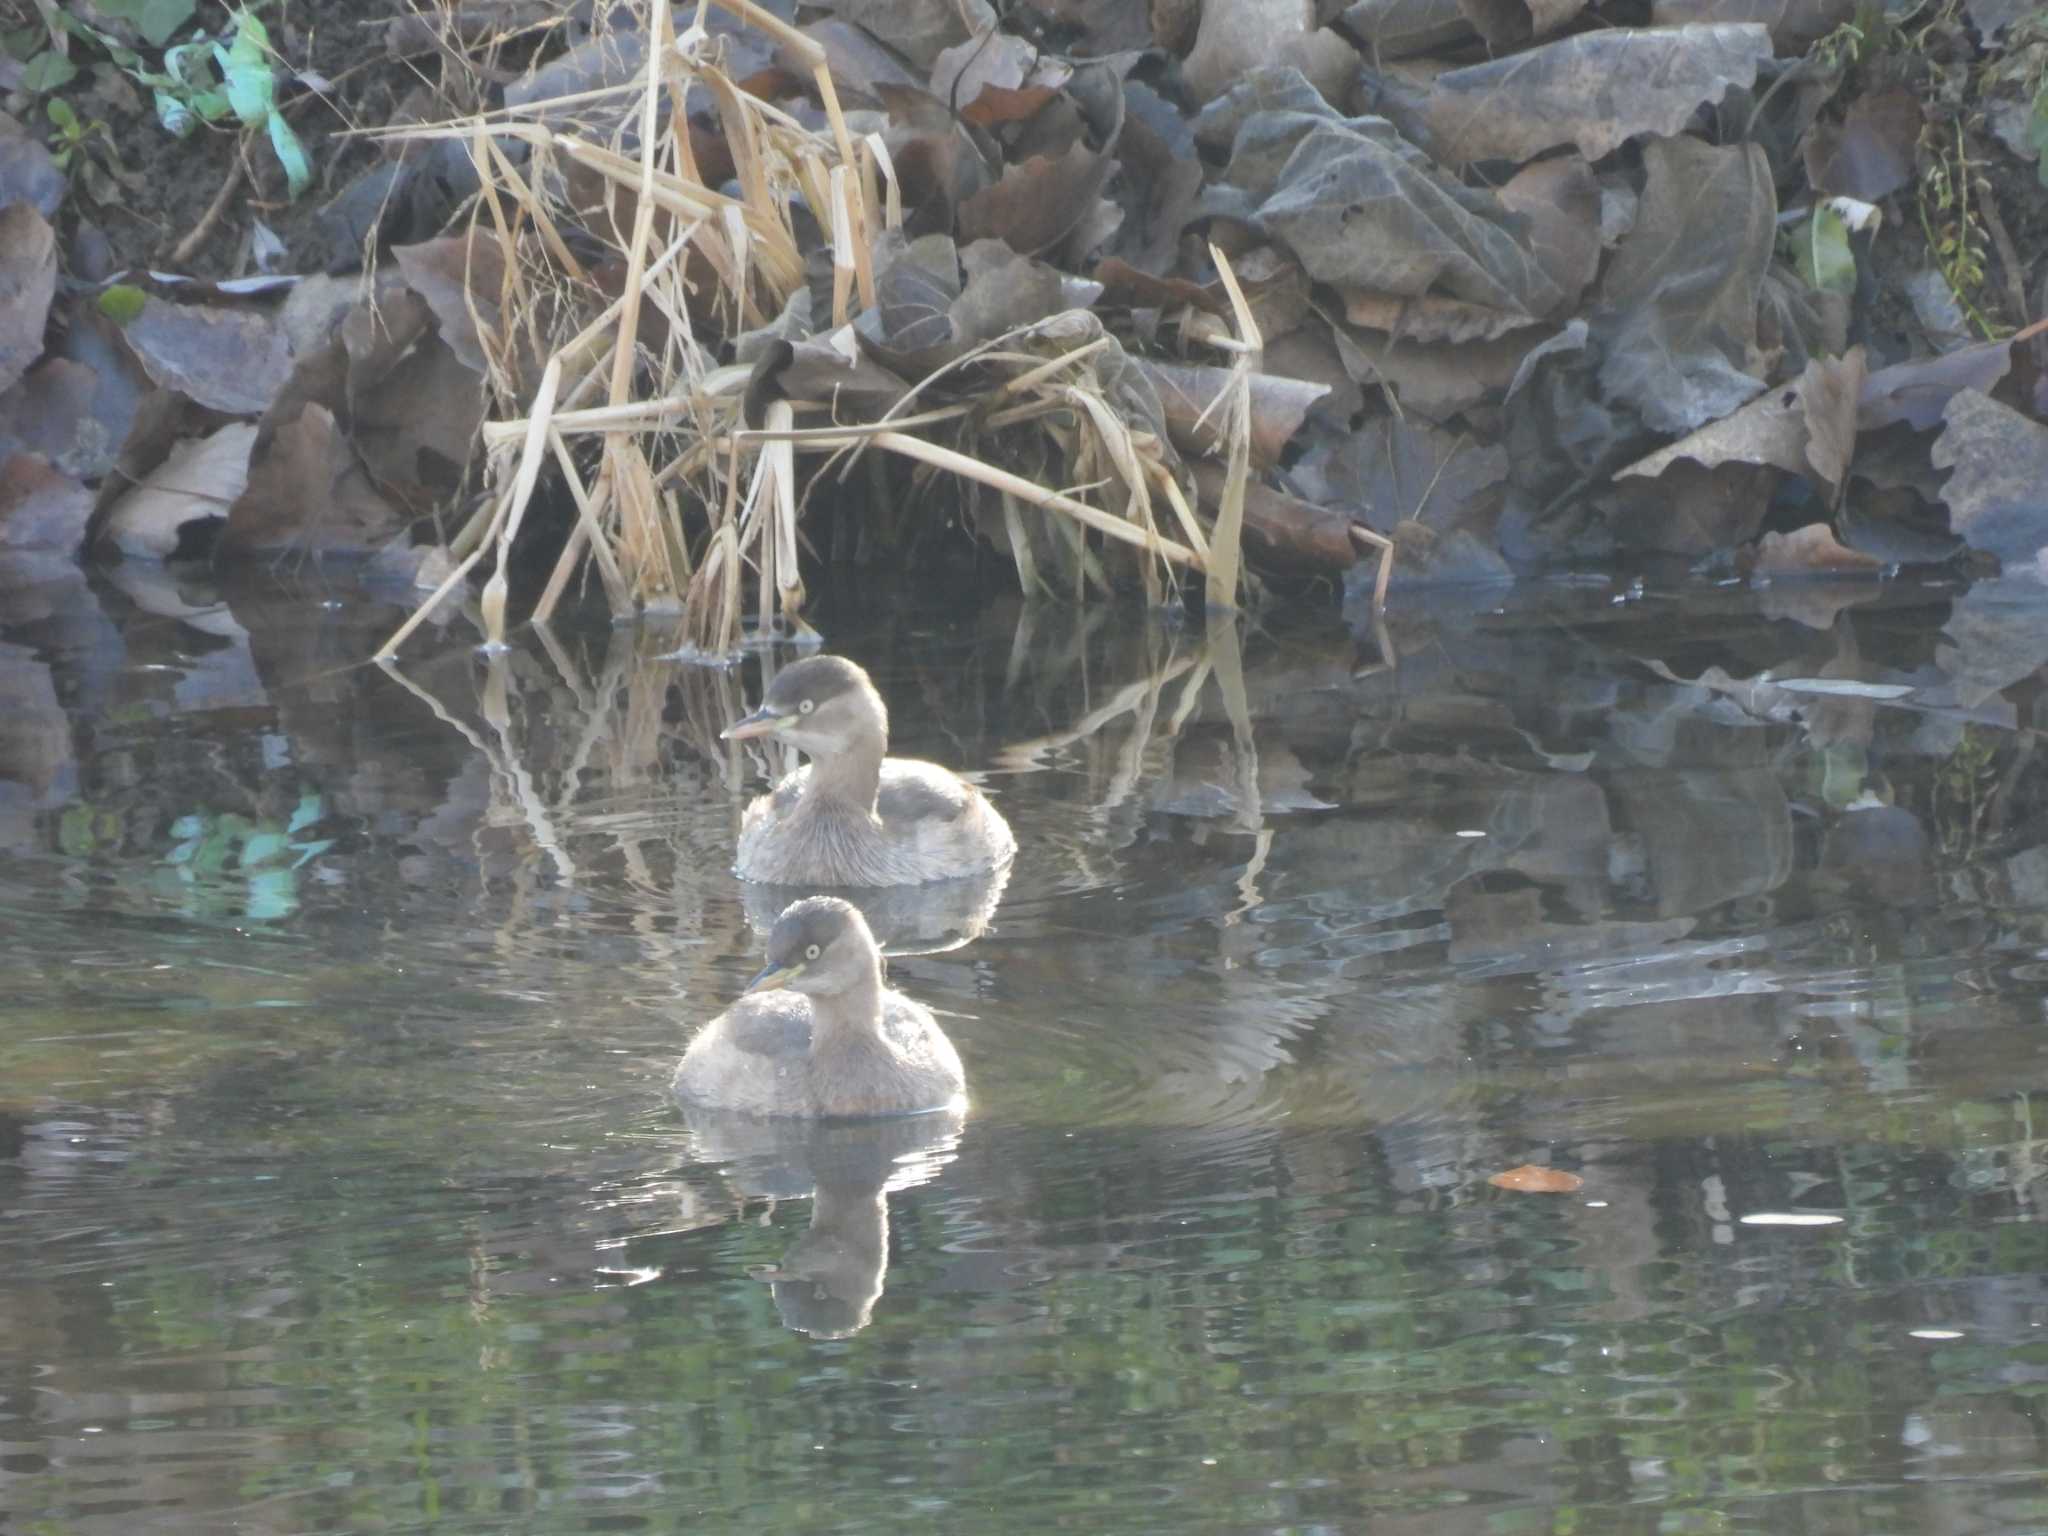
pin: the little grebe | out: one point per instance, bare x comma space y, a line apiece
853, 816
819, 1035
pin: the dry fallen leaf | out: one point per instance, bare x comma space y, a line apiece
1995, 497
1597, 90
1530, 1179
1805, 427
229, 359
1240, 35
1870, 154
28, 281
199, 480
1810, 551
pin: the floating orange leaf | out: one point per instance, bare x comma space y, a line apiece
1529, 1179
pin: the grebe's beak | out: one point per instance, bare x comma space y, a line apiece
762, 722
773, 976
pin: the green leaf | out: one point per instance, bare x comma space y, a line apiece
291, 154
156, 20
122, 302
245, 64
48, 71
160, 19
1824, 257
64, 120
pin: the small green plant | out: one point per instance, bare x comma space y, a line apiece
204, 80
84, 150
1955, 235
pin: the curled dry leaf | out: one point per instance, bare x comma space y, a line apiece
1596, 90
1532, 1179
1810, 551
1288, 532
28, 281
1240, 35
1361, 207
1807, 427
1918, 391
462, 278
1189, 396
1040, 200
1678, 307
197, 482
1997, 493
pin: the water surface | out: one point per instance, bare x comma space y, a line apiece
339, 1189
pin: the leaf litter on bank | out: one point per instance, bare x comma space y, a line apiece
994, 254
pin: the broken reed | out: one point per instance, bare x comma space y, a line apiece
629, 519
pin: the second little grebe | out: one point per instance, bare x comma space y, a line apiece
818, 1035
853, 815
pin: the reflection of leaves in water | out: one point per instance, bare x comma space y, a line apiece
229, 864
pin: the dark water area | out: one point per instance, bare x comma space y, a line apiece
340, 1189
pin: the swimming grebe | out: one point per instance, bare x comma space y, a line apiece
852, 815
819, 1035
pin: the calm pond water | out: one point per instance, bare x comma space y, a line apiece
339, 1188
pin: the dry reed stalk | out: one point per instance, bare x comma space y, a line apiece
1225, 545
631, 427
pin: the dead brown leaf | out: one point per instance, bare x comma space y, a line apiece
1436, 379
307, 491
1189, 396
231, 360
1807, 427
1810, 551
1390, 30
1795, 25
1531, 1179
1691, 509
413, 409
1037, 203
1869, 155
462, 278
1561, 201
920, 30
41, 508
1362, 208
1677, 311
28, 281
27, 172
1240, 35
50, 412
1918, 392
196, 482
1596, 90
1997, 491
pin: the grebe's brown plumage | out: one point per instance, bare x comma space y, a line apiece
854, 816
818, 1034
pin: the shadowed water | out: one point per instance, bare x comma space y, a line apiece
339, 1188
